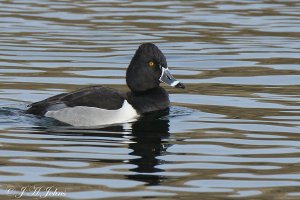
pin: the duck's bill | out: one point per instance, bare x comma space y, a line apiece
167, 78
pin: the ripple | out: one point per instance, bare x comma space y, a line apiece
232, 133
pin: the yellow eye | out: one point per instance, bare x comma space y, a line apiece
151, 64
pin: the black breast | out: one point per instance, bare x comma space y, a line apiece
155, 99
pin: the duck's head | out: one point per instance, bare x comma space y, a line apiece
148, 68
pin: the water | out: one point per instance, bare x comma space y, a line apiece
233, 133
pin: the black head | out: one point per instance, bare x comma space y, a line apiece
148, 68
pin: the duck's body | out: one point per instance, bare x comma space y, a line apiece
99, 105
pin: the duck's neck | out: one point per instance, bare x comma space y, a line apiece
151, 100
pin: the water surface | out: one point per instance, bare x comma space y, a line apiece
233, 133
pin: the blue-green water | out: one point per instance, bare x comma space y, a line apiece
233, 133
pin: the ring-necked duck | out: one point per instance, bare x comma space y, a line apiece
99, 105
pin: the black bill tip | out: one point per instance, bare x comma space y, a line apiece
180, 85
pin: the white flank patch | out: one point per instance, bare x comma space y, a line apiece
91, 116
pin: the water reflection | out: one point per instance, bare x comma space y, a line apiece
240, 60
149, 142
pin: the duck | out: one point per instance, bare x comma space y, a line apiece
100, 105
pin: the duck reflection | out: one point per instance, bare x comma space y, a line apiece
149, 142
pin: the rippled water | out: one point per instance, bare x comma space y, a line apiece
233, 133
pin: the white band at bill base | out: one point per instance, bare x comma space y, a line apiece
174, 83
